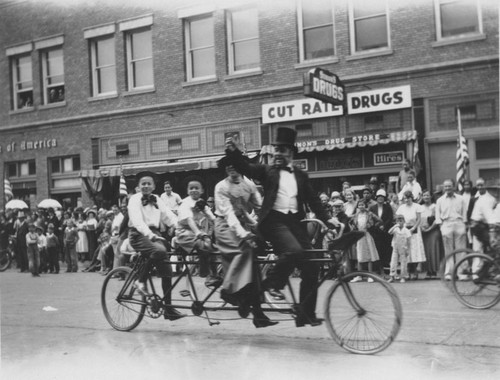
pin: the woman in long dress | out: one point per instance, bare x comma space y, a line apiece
82, 246
350, 207
431, 235
412, 214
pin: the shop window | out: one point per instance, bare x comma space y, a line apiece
21, 169
369, 24
22, 77
374, 121
243, 40
53, 76
200, 47
103, 65
139, 49
174, 144
487, 149
316, 29
61, 165
457, 18
304, 130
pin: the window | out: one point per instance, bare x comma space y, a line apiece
200, 49
21, 169
487, 149
243, 40
62, 165
468, 112
304, 130
22, 78
174, 144
316, 36
457, 18
103, 66
139, 59
369, 25
52, 76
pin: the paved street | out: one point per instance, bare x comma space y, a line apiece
53, 328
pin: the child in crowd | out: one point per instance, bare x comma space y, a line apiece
52, 250
70, 240
400, 248
33, 253
42, 249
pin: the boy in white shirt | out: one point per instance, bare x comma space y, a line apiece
400, 248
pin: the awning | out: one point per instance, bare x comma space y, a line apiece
355, 141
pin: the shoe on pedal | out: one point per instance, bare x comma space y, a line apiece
273, 292
263, 322
172, 314
141, 288
302, 320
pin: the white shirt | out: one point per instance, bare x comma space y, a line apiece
286, 199
450, 208
144, 217
117, 222
415, 189
172, 201
483, 208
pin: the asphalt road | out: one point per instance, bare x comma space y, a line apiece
52, 327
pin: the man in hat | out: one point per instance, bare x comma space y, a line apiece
287, 191
146, 212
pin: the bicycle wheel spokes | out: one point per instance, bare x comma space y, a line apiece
123, 307
480, 290
5, 260
363, 317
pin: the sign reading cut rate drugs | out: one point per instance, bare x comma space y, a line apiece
324, 85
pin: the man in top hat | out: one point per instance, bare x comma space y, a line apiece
146, 213
287, 191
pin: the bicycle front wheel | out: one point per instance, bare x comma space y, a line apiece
5, 260
364, 316
122, 305
480, 289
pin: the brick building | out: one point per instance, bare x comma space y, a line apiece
166, 81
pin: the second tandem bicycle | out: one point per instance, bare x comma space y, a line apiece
362, 317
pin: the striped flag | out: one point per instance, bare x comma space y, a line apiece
462, 155
417, 165
7, 190
123, 186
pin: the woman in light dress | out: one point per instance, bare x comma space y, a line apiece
412, 213
82, 246
431, 235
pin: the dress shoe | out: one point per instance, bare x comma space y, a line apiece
313, 321
275, 293
263, 322
213, 281
243, 309
172, 314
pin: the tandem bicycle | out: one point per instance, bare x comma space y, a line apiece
362, 317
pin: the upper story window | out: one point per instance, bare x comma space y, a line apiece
52, 75
139, 47
316, 33
369, 24
457, 18
21, 169
103, 65
61, 165
243, 40
22, 82
200, 47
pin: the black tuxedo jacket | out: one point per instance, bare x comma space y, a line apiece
269, 177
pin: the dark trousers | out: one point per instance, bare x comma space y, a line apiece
289, 239
156, 252
53, 259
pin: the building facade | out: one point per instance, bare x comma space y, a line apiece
92, 90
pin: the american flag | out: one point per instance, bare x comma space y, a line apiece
462, 155
123, 186
7, 190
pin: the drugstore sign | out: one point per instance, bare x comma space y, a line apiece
379, 100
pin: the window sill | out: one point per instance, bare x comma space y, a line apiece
139, 91
243, 75
316, 62
21, 111
199, 81
52, 105
102, 97
369, 54
458, 40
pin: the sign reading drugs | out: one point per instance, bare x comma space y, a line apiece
324, 85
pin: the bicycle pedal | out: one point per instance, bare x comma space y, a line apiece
185, 293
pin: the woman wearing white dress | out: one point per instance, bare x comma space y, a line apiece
350, 207
412, 213
82, 246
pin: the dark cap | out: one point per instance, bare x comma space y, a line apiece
145, 173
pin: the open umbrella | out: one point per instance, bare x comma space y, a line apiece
16, 203
49, 203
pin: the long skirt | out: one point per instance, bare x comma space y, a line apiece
417, 252
434, 251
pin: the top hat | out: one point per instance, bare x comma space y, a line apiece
285, 136
145, 173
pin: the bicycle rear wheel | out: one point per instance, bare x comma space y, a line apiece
363, 317
480, 290
5, 260
122, 305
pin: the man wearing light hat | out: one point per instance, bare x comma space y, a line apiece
287, 191
146, 212
380, 234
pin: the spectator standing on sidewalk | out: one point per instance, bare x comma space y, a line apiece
431, 235
70, 241
400, 249
32, 250
52, 250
